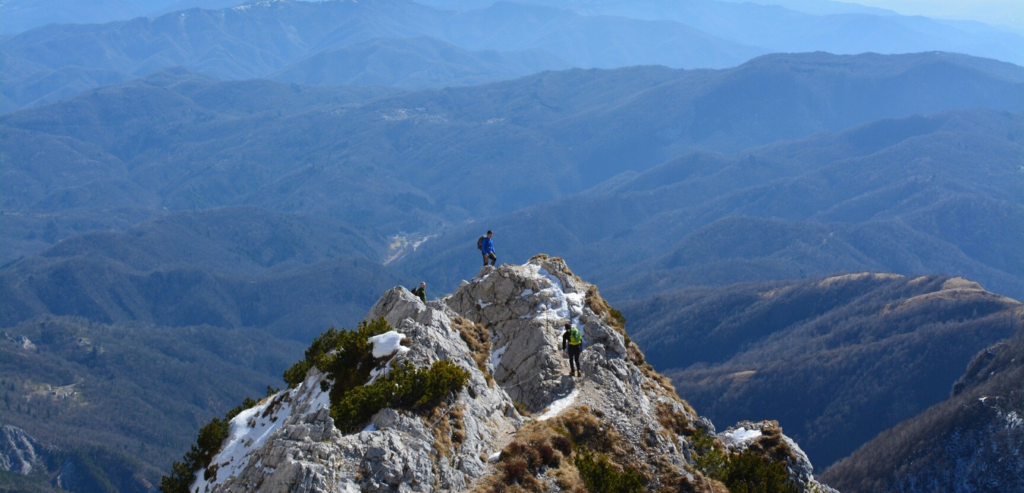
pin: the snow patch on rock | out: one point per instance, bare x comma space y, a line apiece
251, 428
560, 405
387, 344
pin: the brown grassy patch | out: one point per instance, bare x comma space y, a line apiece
770, 444
477, 338
541, 458
609, 315
702, 484
449, 427
673, 420
584, 429
537, 457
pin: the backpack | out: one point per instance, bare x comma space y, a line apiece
480, 243
575, 339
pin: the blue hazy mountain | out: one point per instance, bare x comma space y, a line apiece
21, 15
836, 29
258, 39
414, 63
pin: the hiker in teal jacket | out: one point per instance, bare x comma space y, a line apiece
572, 343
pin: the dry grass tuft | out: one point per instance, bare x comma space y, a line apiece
585, 429
477, 338
537, 460
673, 420
702, 484
449, 427
770, 444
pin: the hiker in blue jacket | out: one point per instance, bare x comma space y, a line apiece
486, 246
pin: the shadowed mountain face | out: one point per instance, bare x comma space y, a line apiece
418, 162
287, 274
913, 196
836, 360
103, 392
969, 442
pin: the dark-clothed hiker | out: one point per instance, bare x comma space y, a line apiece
421, 292
486, 246
572, 343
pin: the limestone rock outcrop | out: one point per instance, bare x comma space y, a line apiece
19, 452
504, 327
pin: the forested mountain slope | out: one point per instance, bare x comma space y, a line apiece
835, 360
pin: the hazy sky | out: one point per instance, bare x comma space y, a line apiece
1007, 12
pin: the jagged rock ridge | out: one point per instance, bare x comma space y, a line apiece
288, 442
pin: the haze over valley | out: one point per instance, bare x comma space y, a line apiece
809, 215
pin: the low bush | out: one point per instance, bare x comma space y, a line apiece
601, 476
404, 387
345, 356
750, 471
346, 359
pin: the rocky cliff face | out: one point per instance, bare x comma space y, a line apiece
504, 328
19, 452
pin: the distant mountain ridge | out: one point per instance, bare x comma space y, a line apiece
119, 402
257, 39
414, 63
840, 29
57, 61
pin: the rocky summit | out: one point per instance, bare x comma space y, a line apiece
520, 422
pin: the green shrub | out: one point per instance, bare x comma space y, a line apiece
600, 476
617, 316
199, 456
746, 472
344, 355
708, 459
404, 387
